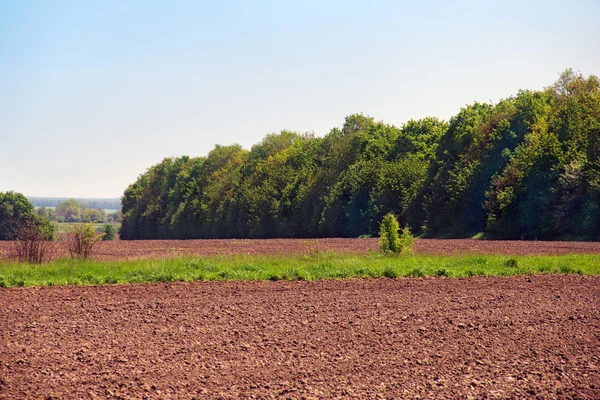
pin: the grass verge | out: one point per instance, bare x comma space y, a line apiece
291, 267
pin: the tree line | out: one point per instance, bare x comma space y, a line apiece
94, 203
20, 220
527, 167
71, 210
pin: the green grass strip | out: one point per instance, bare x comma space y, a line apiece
290, 267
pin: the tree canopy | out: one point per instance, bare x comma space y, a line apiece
526, 167
15, 212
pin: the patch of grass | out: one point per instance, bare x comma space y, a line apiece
544, 269
390, 272
440, 273
291, 267
415, 273
567, 269
511, 263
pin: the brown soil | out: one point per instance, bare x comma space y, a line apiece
122, 250
518, 337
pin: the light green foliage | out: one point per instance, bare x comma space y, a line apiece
389, 240
93, 215
406, 241
81, 239
68, 211
329, 266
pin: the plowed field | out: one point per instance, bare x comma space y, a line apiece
123, 250
518, 337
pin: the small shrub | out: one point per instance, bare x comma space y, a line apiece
391, 241
81, 240
566, 269
416, 273
109, 232
511, 263
33, 242
390, 272
407, 241
19, 282
224, 275
441, 273
545, 268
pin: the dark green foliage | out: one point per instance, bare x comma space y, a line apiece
526, 167
511, 263
109, 232
390, 272
17, 213
441, 273
416, 273
14, 208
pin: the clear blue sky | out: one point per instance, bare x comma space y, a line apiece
92, 93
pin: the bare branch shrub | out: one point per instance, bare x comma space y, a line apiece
33, 242
81, 239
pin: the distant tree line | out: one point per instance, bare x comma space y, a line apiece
18, 216
97, 203
70, 210
527, 167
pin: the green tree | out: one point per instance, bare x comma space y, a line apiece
109, 232
68, 211
15, 210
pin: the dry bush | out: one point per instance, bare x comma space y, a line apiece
33, 242
81, 239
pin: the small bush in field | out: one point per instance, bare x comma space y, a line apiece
390, 272
416, 273
109, 232
407, 241
81, 240
511, 263
389, 241
441, 272
33, 242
